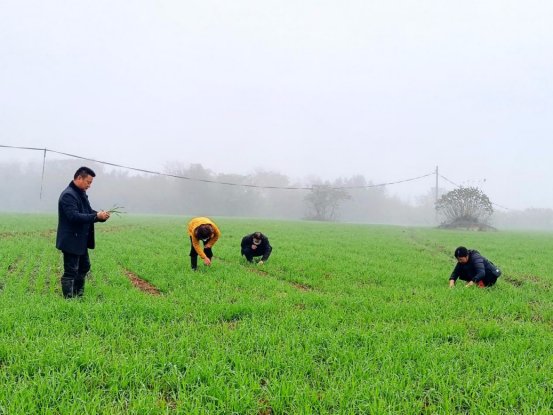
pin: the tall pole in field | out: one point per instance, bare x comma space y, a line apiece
436, 204
42, 179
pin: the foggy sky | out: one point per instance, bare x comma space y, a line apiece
386, 89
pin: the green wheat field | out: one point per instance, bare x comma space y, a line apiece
343, 318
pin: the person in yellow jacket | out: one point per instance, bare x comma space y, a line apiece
202, 229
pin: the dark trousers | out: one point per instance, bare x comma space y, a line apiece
249, 253
194, 255
75, 269
489, 279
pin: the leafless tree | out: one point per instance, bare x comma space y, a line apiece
323, 202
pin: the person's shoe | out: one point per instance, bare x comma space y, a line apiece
78, 287
67, 288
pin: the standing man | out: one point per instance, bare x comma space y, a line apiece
205, 230
75, 236
256, 245
474, 268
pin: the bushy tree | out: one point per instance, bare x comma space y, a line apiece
466, 205
323, 202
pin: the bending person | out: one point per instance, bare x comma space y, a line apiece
202, 229
474, 268
256, 245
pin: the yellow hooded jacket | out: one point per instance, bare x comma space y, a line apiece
194, 223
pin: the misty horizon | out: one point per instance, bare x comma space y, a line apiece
307, 181
386, 90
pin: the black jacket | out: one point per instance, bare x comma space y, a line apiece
475, 269
76, 220
264, 247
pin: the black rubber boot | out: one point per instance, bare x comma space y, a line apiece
67, 287
78, 286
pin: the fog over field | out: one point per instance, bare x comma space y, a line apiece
318, 123
306, 92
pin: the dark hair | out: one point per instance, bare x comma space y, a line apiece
84, 172
203, 231
461, 252
257, 235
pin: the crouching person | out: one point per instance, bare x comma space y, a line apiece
256, 245
202, 229
474, 268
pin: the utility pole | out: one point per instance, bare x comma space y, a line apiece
436, 204
42, 180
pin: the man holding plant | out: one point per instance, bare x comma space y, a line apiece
202, 229
75, 235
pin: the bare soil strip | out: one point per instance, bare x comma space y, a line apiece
258, 271
45, 234
142, 285
117, 228
301, 287
515, 282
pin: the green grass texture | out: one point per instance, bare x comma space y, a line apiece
343, 318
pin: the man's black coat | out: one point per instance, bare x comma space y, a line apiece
264, 248
76, 220
475, 269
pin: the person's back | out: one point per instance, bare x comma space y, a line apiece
202, 229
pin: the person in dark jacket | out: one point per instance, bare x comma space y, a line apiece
256, 245
474, 268
75, 236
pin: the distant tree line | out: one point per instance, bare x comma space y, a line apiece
20, 186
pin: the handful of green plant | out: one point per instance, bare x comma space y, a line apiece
116, 210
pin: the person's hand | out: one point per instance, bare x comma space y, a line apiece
103, 215
207, 261
207, 246
451, 283
254, 246
469, 284
260, 262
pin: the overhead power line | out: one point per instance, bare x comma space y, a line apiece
447, 180
495, 204
210, 181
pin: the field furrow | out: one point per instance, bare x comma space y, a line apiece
342, 318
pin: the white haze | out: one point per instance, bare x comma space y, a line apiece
385, 89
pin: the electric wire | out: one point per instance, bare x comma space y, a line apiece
212, 181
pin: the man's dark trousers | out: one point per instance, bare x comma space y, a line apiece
489, 279
75, 270
194, 255
249, 253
